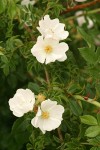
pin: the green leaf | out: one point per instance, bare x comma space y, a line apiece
98, 118
4, 59
1, 53
89, 54
56, 139
12, 9
34, 87
98, 89
94, 141
75, 107
3, 4
6, 69
20, 125
98, 52
87, 119
92, 131
85, 36
95, 148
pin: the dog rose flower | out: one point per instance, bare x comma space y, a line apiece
81, 19
49, 116
22, 102
48, 50
51, 28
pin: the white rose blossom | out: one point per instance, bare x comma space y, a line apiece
49, 116
81, 19
22, 102
51, 28
48, 50
27, 2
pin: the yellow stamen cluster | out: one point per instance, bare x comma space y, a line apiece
40, 97
48, 49
45, 115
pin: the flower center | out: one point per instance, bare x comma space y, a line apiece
48, 49
45, 115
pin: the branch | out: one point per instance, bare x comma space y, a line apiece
60, 134
91, 101
47, 76
82, 6
48, 82
85, 13
29, 30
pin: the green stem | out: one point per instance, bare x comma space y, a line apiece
48, 82
60, 135
91, 101
47, 76
85, 13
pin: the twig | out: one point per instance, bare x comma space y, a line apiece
60, 134
84, 13
47, 75
82, 6
91, 101
48, 81
29, 30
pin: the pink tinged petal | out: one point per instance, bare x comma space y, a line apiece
51, 124
47, 104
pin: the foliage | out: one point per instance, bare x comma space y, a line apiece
79, 76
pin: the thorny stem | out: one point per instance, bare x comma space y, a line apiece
89, 100
81, 6
48, 82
